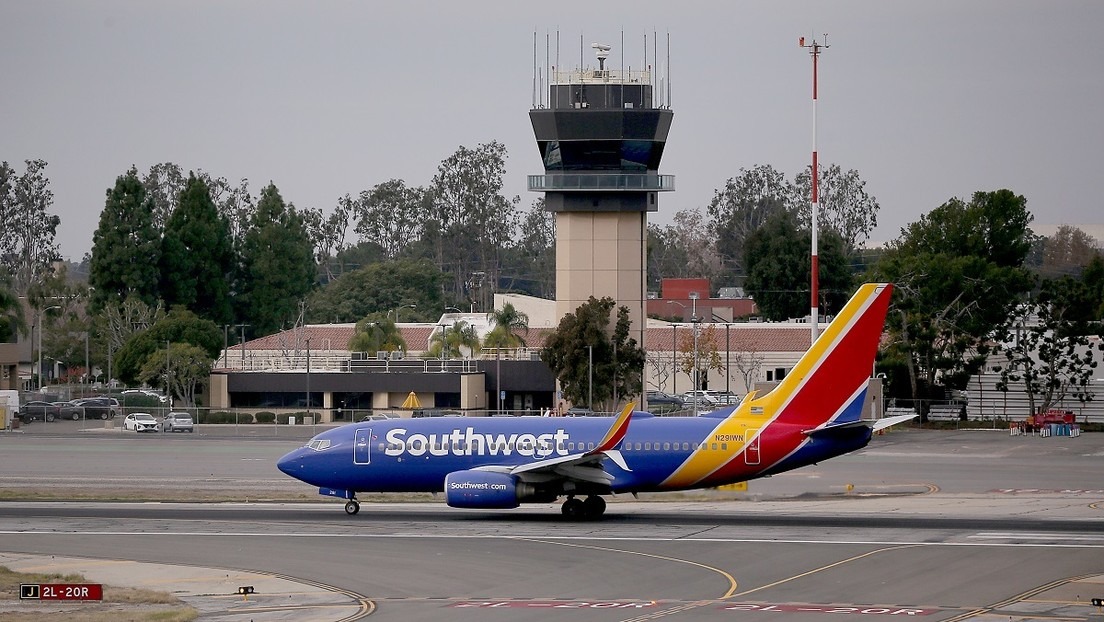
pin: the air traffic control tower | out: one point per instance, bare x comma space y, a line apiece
601, 135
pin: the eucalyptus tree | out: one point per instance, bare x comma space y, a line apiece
27, 245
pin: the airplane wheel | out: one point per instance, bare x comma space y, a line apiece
573, 508
594, 506
352, 507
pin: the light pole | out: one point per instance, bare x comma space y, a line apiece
695, 320
308, 382
41, 321
397, 309
728, 350
590, 379
242, 343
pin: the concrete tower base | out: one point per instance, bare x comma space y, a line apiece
602, 254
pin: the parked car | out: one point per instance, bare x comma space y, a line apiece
141, 422
726, 398
37, 410
178, 422
70, 410
659, 397
98, 407
703, 398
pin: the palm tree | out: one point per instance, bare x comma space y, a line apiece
452, 340
375, 333
508, 323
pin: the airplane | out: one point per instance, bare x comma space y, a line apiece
813, 414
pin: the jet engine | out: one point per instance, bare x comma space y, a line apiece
486, 490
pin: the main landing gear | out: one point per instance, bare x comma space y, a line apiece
352, 507
593, 507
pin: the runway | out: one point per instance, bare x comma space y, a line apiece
965, 539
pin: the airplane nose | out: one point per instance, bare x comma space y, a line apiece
291, 463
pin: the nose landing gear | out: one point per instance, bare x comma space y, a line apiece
352, 507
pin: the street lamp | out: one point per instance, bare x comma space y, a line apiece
397, 309
696, 321
590, 379
41, 319
674, 349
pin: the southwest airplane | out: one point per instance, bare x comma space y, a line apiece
497, 463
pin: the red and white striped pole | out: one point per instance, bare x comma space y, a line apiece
814, 311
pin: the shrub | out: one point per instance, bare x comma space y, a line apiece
265, 417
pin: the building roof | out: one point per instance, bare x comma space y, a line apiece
743, 337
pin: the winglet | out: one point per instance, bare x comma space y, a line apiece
616, 432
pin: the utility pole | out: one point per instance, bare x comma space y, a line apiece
694, 320
814, 312
242, 343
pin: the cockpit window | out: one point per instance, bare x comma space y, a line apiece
319, 444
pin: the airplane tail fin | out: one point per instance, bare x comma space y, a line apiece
828, 385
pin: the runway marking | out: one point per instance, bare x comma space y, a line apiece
399, 536
827, 567
833, 609
732, 584
1022, 596
1036, 535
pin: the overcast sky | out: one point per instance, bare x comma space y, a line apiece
927, 100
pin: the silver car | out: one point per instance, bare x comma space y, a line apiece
178, 422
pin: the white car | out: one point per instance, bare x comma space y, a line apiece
703, 398
141, 422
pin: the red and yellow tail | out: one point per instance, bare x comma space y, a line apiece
826, 387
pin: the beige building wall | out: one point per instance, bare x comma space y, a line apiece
602, 254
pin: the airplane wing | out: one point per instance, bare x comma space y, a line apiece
584, 466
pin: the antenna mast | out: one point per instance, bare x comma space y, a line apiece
814, 321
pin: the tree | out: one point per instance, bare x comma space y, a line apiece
845, 206
278, 268
471, 219
328, 235
529, 265
197, 258
376, 333
391, 215
1067, 252
779, 269
959, 274
27, 246
700, 359
585, 336
178, 326
457, 341
180, 370
741, 207
509, 324
163, 184
126, 247
1053, 356
12, 322
377, 288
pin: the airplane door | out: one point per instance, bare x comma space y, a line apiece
362, 445
751, 452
